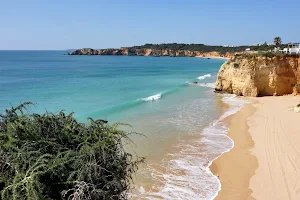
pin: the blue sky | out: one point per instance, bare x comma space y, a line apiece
68, 24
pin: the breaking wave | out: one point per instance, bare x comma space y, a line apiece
155, 97
152, 98
204, 76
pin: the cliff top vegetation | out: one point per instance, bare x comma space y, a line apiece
205, 48
266, 54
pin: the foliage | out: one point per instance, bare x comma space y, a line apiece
52, 156
205, 48
277, 41
267, 55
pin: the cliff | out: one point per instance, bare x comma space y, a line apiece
259, 75
149, 52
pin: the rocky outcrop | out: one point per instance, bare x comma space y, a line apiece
149, 52
84, 51
259, 75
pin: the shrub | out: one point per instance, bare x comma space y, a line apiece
52, 156
296, 85
267, 55
236, 65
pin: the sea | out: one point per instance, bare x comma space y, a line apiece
168, 101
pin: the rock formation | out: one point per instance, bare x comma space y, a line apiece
85, 51
259, 75
149, 52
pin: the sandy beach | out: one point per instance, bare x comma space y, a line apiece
265, 161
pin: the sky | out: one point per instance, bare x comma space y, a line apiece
71, 24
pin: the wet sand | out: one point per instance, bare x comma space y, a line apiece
236, 167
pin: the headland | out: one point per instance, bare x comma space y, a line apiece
264, 162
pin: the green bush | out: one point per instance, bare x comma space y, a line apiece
52, 156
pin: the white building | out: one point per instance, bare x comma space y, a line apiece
293, 48
257, 44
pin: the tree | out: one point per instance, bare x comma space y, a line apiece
52, 156
277, 41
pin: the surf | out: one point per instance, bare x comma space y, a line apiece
204, 76
153, 97
185, 173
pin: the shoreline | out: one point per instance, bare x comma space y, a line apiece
263, 164
235, 167
232, 110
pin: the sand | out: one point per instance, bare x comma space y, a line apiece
236, 167
265, 161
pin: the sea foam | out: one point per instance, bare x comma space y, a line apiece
210, 85
186, 174
152, 98
204, 76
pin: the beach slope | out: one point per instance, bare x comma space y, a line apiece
265, 161
275, 130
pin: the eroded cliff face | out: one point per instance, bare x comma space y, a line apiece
149, 52
259, 76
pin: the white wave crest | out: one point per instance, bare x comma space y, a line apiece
210, 85
152, 98
204, 76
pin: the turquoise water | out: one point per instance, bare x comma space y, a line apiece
181, 120
105, 87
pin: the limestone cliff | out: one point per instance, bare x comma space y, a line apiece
259, 75
149, 52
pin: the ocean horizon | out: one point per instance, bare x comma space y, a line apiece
170, 100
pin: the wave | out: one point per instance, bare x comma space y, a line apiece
234, 102
152, 98
204, 76
216, 133
186, 174
155, 97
